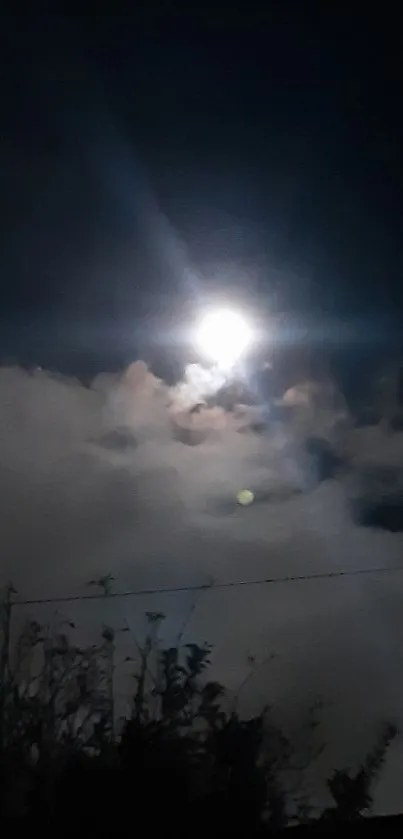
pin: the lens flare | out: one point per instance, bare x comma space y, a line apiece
245, 497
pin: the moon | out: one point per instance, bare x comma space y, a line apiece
223, 336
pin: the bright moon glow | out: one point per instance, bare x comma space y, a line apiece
223, 337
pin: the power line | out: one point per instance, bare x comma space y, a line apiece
294, 578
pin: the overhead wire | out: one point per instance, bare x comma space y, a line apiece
213, 585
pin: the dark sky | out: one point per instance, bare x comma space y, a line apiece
149, 158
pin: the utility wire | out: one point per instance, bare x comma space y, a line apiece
294, 578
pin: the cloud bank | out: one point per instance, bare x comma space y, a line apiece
119, 477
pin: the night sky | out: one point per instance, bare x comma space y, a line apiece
150, 159
149, 162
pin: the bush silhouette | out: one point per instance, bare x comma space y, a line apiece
181, 761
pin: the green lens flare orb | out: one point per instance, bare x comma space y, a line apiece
245, 497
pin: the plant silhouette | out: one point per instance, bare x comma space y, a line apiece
181, 760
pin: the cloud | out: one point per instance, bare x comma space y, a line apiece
99, 479
93, 475
198, 384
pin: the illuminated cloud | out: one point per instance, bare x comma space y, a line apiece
98, 479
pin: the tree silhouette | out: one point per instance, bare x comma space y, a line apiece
353, 793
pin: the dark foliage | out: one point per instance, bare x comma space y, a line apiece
352, 792
181, 762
